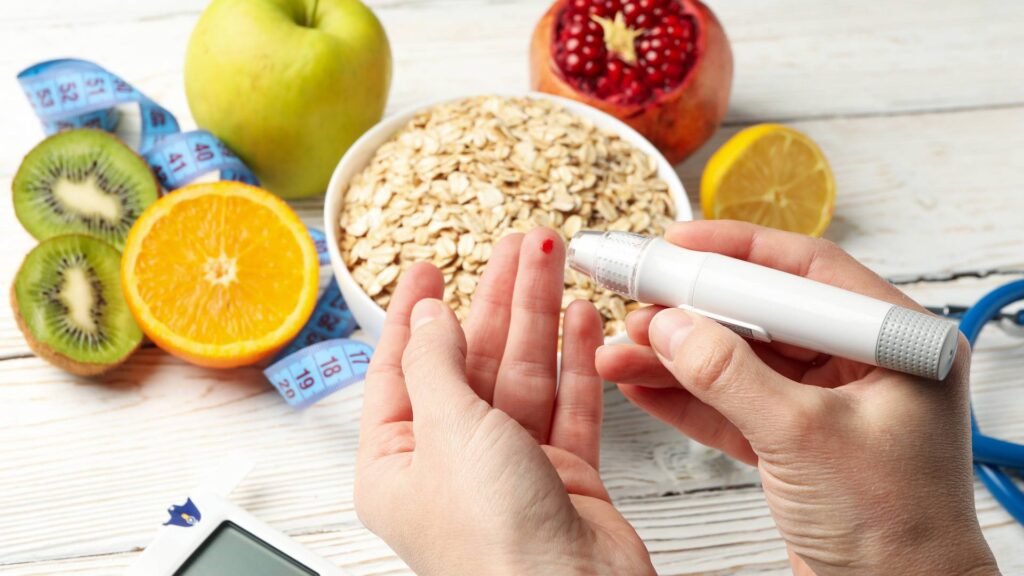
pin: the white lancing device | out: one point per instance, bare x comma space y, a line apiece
765, 304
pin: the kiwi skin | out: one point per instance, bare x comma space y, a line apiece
56, 358
51, 355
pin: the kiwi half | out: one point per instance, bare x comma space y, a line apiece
68, 303
83, 182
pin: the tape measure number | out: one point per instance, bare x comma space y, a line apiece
313, 372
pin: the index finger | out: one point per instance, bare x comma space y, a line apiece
385, 398
813, 258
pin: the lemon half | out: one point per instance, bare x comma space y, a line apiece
770, 175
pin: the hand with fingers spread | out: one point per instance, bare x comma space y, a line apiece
472, 458
866, 471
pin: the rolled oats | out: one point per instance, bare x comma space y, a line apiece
462, 175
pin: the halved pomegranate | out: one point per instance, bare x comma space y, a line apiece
662, 66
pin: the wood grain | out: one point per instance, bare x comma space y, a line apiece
109, 456
919, 106
911, 198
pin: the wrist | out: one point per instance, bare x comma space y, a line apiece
960, 552
580, 556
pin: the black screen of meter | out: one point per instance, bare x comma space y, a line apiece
232, 551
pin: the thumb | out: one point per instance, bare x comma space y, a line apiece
721, 370
434, 364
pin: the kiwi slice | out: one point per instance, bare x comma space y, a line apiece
68, 303
83, 182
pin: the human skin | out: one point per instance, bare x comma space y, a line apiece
470, 461
866, 470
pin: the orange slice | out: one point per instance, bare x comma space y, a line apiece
220, 274
770, 175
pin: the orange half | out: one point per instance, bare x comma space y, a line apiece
220, 274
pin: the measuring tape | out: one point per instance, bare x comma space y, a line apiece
320, 242
321, 359
68, 94
310, 374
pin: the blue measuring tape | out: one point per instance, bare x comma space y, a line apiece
321, 359
68, 94
320, 242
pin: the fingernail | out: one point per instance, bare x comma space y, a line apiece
668, 330
424, 312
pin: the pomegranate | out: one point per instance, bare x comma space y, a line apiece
662, 66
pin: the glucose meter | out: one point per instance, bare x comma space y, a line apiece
207, 535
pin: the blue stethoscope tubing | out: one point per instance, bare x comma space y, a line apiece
992, 455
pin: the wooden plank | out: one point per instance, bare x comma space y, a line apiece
919, 193
714, 533
910, 198
87, 467
901, 179
794, 59
109, 456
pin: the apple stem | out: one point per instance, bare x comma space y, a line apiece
312, 15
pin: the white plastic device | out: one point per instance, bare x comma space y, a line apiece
766, 304
207, 535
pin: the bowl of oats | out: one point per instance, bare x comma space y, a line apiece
442, 183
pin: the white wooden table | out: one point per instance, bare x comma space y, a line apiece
919, 106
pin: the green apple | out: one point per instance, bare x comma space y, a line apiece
288, 84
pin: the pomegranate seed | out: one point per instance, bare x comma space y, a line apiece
686, 29
654, 76
614, 70
636, 92
629, 75
664, 36
573, 63
590, 52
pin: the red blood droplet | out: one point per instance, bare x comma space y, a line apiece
547, 246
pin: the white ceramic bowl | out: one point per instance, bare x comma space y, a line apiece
367, 313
